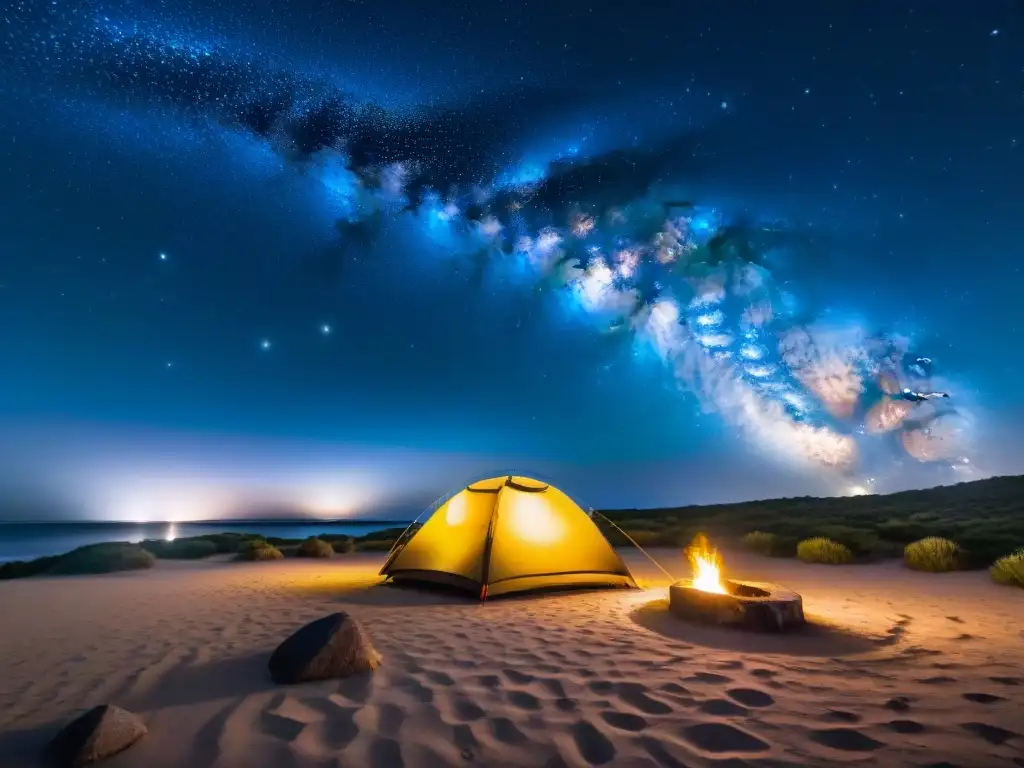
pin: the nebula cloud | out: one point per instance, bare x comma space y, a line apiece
601, 229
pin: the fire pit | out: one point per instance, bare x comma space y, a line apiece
709, 598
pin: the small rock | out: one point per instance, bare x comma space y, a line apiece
331, 647
99, 733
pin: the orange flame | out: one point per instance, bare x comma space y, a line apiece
706, 565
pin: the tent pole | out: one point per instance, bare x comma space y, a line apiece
489, 542
630, 538
408, 527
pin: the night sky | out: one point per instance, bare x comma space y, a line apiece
338, 256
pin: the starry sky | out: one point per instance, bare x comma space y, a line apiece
340, 257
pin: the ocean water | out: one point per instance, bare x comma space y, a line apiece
24, 541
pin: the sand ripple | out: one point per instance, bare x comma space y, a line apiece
591, 679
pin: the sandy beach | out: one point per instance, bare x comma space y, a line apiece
905, 669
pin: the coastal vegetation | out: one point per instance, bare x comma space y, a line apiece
982, 520
109, 557
966, 526
933, 553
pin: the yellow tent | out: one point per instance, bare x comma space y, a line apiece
509, 534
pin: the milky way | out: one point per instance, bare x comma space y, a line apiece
599, 229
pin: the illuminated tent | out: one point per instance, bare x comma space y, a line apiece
509, 534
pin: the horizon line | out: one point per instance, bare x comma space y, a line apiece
280, 520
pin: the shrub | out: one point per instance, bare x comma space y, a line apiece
103, 558
19, 569
933, 554
1009, 570
254, 543
822, 550
180, 549
265, 552
224, 542
314, 547
344, 546
861, 542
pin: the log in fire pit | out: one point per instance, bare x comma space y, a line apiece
709, 598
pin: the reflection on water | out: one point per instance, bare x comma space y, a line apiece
24, 541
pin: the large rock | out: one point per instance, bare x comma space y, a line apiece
334, 646
99, 733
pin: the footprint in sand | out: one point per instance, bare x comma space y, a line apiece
440, 678
554, 687
465, 740
505, 731
415, 689
280, 727
898, 704
708, 677
386, 753
356, 689
566, 705
983, 698
841, 716
674, 688
524, 700
722, 708
465, 710
990, 733
489, 681
386, 719
624, 721
722, 737
594, 746
845, 740
519, 678
1006, 680
905, 726
635, 695
751, 697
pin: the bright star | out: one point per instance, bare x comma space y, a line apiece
265, 344
163, 257
724, 105
325, 329
994, 33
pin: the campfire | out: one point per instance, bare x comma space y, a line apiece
706, 565
709, 597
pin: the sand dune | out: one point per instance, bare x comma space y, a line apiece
904, 669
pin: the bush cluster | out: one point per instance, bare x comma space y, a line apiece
933, 554
1009, 570
259, 549
985, 519
822, 550
180, 549
314, 547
